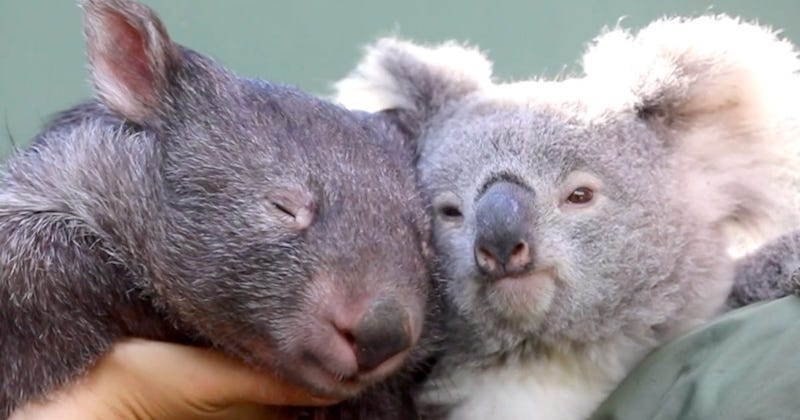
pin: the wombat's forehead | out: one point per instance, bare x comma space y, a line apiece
280, 129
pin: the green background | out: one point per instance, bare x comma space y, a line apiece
310, 44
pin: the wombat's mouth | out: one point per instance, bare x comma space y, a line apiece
345, 344
326, 363
328, 383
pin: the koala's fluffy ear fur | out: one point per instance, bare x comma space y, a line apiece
726, 95
416, 81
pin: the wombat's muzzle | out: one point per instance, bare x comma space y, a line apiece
382, 332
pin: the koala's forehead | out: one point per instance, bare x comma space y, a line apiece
541, 138
522, 135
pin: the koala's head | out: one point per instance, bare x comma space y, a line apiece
293, 232
570, 211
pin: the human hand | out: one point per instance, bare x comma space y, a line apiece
141, 379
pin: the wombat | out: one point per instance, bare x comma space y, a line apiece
582, 222
188, 204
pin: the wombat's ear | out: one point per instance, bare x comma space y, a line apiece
724, 95
130, 56
411, 81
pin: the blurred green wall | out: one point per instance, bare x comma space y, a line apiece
313, 43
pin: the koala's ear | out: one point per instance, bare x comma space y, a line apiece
412, 81
130, 56
688, 71
724, 95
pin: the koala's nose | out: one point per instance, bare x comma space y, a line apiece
383, 331
504, 217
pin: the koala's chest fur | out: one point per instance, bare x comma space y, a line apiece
567, 386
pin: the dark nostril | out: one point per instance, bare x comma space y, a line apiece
520, 259
383, 332
485, 259
519, 250
348, 336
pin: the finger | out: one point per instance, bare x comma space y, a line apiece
210, 376
249, 411
241, 383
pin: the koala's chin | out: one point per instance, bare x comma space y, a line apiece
524, 298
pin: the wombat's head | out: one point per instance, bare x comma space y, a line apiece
569, 211
293, 234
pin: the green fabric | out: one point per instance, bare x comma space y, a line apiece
744, 365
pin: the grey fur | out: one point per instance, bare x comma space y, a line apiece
160, 211
771, 272
687, 133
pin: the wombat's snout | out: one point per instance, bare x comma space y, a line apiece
382, 332
354, 337
504, 218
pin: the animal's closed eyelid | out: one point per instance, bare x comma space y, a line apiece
296, 204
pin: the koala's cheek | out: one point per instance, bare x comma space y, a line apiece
465, 292
454, 247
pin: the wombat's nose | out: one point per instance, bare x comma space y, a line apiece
503, 220
384, 331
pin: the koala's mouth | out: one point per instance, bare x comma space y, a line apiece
529, 294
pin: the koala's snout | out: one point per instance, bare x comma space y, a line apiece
504, 216
383, 331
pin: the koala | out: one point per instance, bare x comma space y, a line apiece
770, 272
188, 204
581, 222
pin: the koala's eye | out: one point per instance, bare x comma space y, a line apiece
449, 211
652, 113
448, 207
580, 195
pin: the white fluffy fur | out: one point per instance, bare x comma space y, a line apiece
735, 87
373, 87
563, 386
